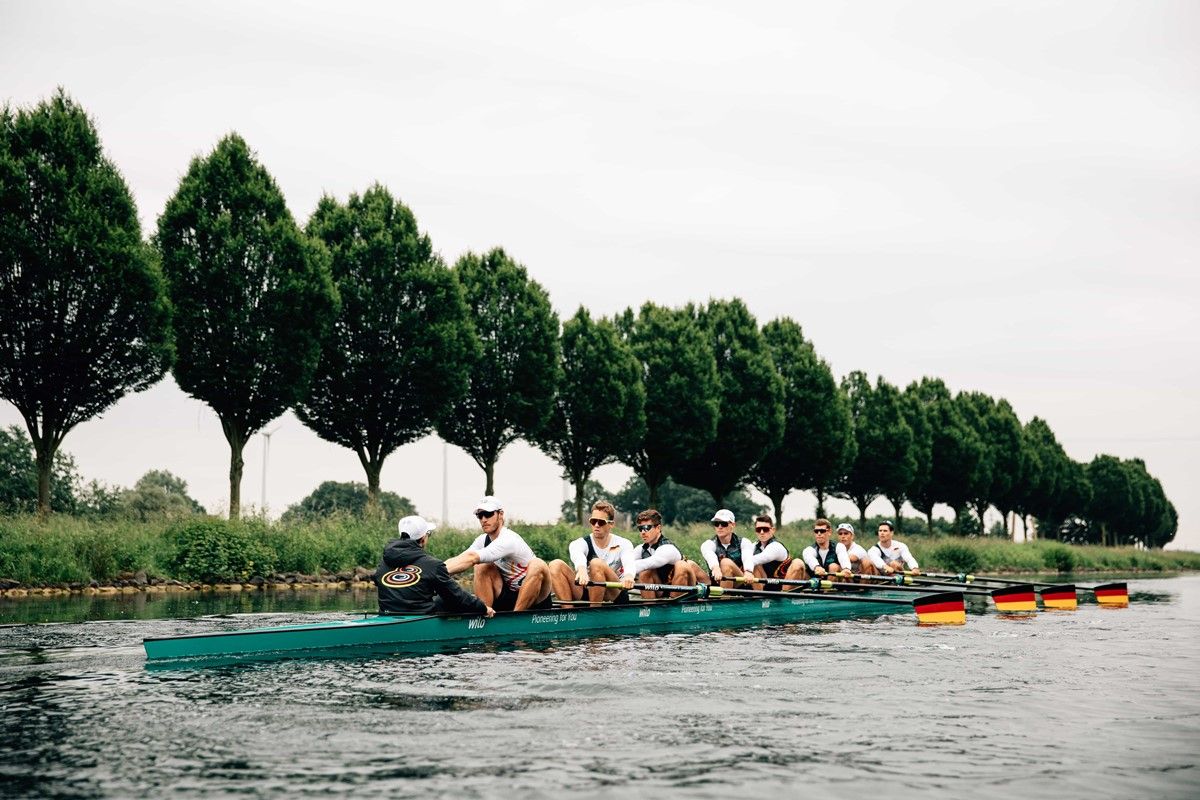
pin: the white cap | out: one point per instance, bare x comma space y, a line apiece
488, 503
416, 527
845, 526
724, 515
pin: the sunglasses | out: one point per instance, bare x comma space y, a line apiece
762, 530
484, 514
722, 524
645, 528
599, 522
820, 530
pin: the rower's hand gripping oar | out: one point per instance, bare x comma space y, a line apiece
941, 608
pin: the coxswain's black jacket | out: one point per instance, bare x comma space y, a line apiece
410, 581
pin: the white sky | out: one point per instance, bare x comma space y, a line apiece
1004, 195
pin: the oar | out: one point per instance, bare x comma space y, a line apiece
817, 583
1015, 597
1115, 595
940, 608
1008, 598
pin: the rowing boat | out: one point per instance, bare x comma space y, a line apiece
433, 633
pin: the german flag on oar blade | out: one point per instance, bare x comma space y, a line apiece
943, 608
1060, 597
1015, 598
1115, 595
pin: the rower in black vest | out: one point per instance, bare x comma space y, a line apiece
771, 569
770, 559
658, 560
824, 557
724, 553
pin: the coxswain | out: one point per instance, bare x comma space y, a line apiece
769, 558
890, 556
508, 576
822, 558
657, 560
410, 581
725, 553
594, 557
859, 563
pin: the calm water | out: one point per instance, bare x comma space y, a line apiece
1099, 702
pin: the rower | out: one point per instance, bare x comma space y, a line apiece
859, 563
890, 556
724, 553
822, 558
410, 581
508, 576
657, 560
769, 558
594, 557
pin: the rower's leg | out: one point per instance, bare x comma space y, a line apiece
867, 567
795, 572
562, 581
682, 575
699, 573
487, 583
730, 570
601, 572
648, 576
759, 572
536, 586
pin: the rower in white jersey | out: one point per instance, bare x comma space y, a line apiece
726, 553
594, 557
823, 558
508, 576
859, 563
658, 560
769, 558
890, 556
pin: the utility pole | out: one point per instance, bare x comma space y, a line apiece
262, 506
445, 484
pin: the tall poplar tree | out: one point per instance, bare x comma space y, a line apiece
679, 374
599, 404
751, 418
884, 461
922, 454
818, 439
253, 295
398, 351
84, 317
511, 379
998, 428
956, 452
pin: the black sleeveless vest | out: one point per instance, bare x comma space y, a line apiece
664, 572
770, 568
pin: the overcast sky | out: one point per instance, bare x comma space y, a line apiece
1003, 195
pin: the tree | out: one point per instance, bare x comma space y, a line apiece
1045, 470
332, 498
956, 453
884, 462
818, 438
599, 404
158, 493
751, 417
684, 505
19, 476
511, 380
397, 353
252, 294
922, 454
997, 426
84, 318
679, 374
1112, 494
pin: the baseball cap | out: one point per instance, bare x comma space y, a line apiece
845, 526
724, 515
415, 527
488, 503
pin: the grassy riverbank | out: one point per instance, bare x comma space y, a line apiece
67, 551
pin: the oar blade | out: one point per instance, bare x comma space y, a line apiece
943, 608
1112, 595
1061, 597
1015, 598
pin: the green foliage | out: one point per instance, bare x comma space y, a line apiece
1059, 558
683, 505
751, 418
253, 295
333, 498
398, 350
956, 451
599, 404
955, 557
84, 318
214, 550
680, 379
818, 442
19, 480
158, 493
511, 380
884, 462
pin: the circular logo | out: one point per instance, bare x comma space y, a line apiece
402, 578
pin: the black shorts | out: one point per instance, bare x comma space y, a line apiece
507, 600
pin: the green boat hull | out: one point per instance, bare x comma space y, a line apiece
401, 634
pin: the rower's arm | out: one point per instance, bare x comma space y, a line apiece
843, 556
809, 557
454, 596
667, 554
462, 562
909, 561
876, 556
577, 552
708, 551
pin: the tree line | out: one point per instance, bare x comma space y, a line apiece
356, 323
